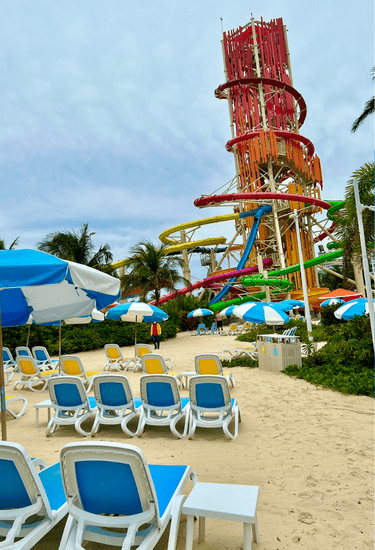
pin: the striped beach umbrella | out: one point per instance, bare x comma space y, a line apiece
201, 312
287, 305
266, 313
350, 309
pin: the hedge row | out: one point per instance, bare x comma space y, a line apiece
77, 338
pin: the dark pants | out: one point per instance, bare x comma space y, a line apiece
156, 340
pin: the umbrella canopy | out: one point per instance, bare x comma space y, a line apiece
265, 313
136, 312
352, 308
332, 302
287, 305
51, 289
201, 312
95, 316
240, 311
228, 311
342, 293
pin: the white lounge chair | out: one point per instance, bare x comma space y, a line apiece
32, 502
130, 507
248, 351
71, 365
10, 400
115, 402
115, 358
211, 405
31, 375
43, 358
209, 363
162, 404
71, 403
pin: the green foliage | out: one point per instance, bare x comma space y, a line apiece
239, 362
179, 308
327, 317
77, 338
345, 363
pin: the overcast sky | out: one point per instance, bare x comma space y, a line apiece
108, 114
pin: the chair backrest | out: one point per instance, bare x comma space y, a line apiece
209, 393
153, 363
113, 352
159, 391
23, 350
233, 326
208, 363
122, 470
72, 365
27, 365
19, 480
292, 331
112, 391
7, 356
40, 353
247, 325
67, 392
142, 349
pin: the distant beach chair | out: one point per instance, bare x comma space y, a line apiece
209, 363
162, 404
31, 375
115, 358
71, 403
201, 328
23, 351
71, 365
211, 405
154, 363
145, 349
248, 351
115, 402
32, 502
213, 329
233, 329
43, 358
132, 504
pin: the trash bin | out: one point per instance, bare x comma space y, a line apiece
276, 352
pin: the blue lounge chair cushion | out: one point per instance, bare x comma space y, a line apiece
53, 485
209, 396
166, 480
160, 394
13, 493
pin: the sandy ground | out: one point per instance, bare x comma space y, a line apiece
309, 450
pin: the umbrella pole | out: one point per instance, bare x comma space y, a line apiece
59, 346
28, 336
2, 387
135, 331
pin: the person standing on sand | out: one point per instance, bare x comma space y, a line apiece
156, 334
219, 322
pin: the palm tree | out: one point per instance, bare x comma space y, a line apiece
77, 247
347, 229
13, 245
151, 270
368, 110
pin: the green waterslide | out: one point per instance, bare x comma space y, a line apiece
283, 284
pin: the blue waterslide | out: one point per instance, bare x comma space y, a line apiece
257, 213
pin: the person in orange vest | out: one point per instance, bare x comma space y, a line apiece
156, 334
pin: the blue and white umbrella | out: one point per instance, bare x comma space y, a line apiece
201, 312
228, 311
51, 289
350, 309
332, 302
136, 312
266, 313
287, 305
240, 310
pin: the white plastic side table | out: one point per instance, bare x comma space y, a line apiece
42, 405
222, 501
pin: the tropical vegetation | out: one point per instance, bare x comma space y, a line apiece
368, 110
150, 270
77, 246
11, 247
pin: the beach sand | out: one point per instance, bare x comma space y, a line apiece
309, 450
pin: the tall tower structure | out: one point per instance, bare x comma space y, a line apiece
271, 155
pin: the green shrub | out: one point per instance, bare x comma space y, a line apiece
327, 317
77, 338
345, 363
239, 362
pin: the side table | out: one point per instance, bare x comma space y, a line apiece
222, 501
